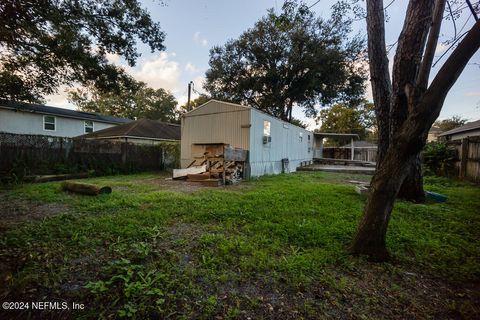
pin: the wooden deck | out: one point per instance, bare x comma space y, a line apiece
339, 168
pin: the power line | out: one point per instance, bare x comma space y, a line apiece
314, 4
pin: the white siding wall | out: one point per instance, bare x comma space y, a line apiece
32, 123
242, 127
266, 159
214, 122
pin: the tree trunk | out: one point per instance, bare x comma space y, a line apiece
412, 186
370, 237
408, 58
404, 150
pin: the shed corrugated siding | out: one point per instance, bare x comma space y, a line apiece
285, 144
216, 123
214, 106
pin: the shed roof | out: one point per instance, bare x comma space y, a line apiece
142, 128
235, 107
361, 144
466, 127
48, 110
335, 135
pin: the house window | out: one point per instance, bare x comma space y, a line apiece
300, 137
309, 147
88, 126
266, 132
48, 123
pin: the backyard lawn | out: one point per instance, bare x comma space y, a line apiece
270, 248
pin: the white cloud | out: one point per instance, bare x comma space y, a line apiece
113, 58
199, 39
191, 68
59, 99
158, 72
441, 47
472, 94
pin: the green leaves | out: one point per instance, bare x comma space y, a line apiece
49, 43
136, 100
343, 118
289, 59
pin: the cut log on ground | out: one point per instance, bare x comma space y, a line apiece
85, 188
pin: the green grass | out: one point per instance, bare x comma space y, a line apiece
272, 247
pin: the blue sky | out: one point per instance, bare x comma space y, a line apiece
194, 26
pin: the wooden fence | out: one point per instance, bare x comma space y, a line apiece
468, 162
22, 155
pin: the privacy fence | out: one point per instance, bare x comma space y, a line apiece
468, 160
22, 155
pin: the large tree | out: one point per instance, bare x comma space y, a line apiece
343, 118
289, 59
133, 102
47, 43
406, 106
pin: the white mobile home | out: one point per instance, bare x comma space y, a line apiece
267, 139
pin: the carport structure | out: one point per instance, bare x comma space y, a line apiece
318, 142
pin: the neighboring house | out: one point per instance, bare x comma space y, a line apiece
470, 129
142, 131
433, 134
267, 138
363, 150
27, 118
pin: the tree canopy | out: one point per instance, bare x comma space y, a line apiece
136, 101
342, 118
201, 99
46, 43
289, 59
450, 123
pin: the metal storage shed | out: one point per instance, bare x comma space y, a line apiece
267, 139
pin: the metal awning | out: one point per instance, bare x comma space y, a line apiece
335, 135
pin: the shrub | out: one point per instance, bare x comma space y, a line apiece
439, 159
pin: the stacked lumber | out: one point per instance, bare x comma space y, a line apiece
216, 164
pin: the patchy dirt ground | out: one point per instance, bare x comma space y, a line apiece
165, 182
15, 211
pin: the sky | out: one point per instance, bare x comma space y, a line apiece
192, 27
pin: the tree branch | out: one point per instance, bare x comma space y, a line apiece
449, 73
379, 74
426, 65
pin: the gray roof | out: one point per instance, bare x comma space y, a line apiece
434, 129
43, 109
142, 128
466, 127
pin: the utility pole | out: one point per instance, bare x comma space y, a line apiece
190, 84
